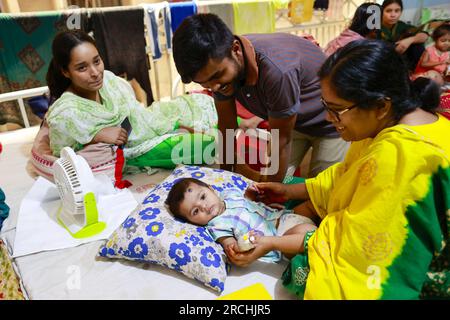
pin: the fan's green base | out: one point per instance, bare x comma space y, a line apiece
92, 225
89, 230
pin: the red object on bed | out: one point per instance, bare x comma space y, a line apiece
445, 105
246, 145
253, 150
119, 182
245, 114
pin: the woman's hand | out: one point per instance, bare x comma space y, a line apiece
111, 135
403, 45
184, 128
271, 192
252, 193
243, 259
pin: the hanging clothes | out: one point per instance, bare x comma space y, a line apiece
254, 16
181, 10
159, 35
120, 38
301, 11
321, 4
223, 9
25, 54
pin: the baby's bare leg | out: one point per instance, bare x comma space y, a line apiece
306, 209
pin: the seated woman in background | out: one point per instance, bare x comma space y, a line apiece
435, 60
385, 210
92, 103
408, 39
363, 25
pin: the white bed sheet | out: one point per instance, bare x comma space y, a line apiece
76, 273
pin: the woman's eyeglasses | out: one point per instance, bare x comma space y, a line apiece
336, 114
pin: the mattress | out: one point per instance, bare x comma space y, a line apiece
76, 273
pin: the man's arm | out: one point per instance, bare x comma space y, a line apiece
285, 126
227, 119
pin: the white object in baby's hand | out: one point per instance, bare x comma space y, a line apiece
245, 242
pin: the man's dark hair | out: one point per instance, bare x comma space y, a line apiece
200, 37
176, 194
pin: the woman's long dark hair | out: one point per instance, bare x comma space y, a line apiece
367, 72
359, 22
62, 45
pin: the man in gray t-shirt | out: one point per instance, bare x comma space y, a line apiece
274, 76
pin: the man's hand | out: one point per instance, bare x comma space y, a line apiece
111, 135
251, 123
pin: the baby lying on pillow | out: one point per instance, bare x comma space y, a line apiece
229, 216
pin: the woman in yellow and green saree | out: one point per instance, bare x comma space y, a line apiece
384, 210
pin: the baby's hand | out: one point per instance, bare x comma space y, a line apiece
245, 242
244, 258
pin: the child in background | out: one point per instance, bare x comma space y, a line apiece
435, 60
230, 216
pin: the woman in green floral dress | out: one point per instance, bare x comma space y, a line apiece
92, 103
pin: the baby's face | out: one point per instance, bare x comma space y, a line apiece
200, 204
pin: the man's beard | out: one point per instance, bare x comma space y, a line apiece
239, 80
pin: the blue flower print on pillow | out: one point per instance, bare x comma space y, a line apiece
128, 222
241, 184
106, 251
217, 283
180, 253
168, 185
210, 257
197, 175
196, 241
149, 213
152, 198
204, 234
137, 249
154, 228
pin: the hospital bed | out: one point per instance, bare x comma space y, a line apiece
51, 274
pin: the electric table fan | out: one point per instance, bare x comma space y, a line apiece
76, 185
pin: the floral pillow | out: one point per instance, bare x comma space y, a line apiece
152, 234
